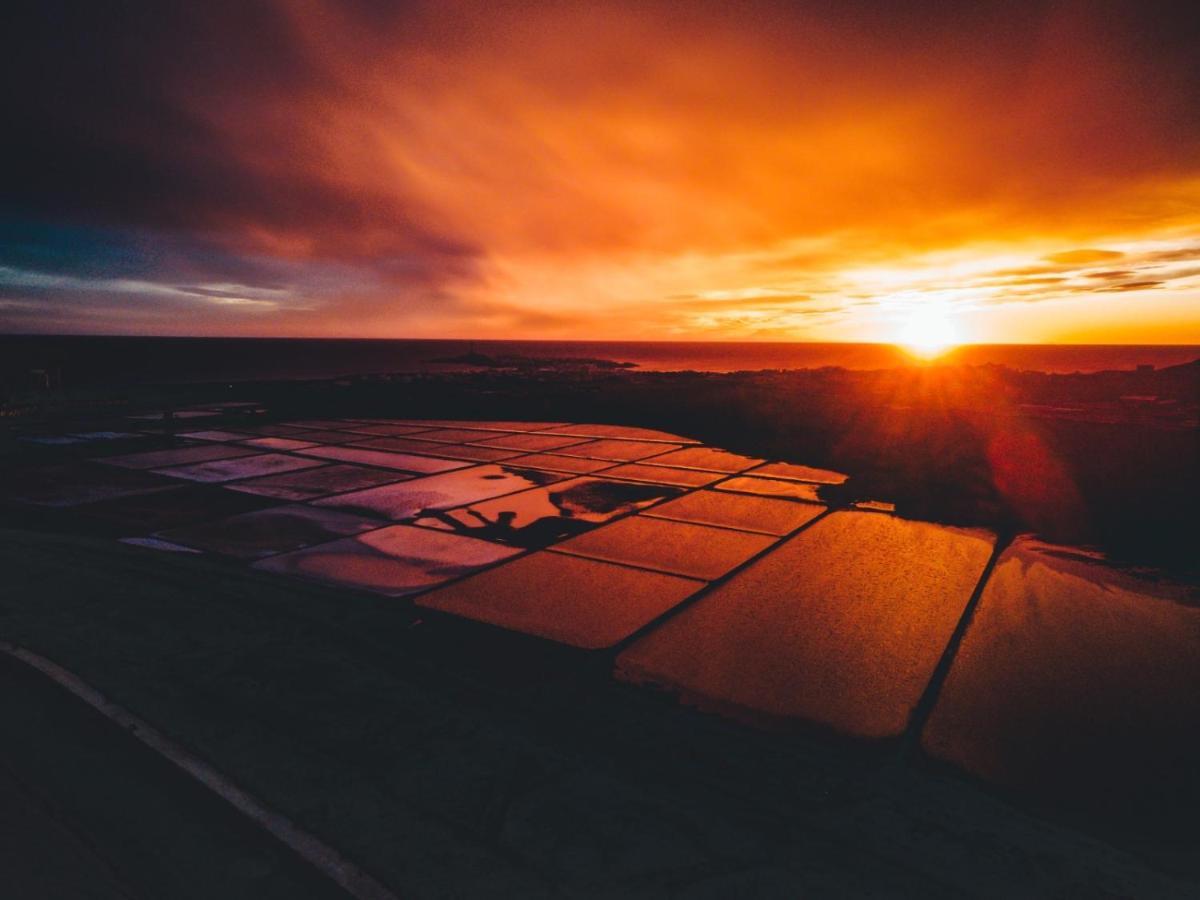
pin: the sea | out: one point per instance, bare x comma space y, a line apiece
84, 361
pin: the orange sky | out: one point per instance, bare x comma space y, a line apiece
1030, 172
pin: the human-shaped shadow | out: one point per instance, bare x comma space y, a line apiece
577, 509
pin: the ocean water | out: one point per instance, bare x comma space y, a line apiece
81, 361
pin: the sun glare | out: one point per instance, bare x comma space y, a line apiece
928, 332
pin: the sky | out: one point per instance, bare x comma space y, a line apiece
841, 170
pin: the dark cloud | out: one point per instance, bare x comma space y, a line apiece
115, 125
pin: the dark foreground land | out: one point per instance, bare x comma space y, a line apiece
449, 758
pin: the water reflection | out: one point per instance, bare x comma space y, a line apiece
265, 532
176, 456
394, 561
430, 448
422, 495
318, 482
241, 467
279, 443
405, 462
541, 517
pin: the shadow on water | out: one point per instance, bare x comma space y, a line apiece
537, 518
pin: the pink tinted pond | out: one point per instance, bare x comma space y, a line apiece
461, 435
176, 456
434, 492
272, 430
215, 435
265, 532
306, 484
328, 437
480, 425
396, 560
432, 448
405, 462
242, 467
278, 443
381, 428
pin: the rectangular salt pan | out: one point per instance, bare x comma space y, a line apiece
176, 456
678, 548
395, 561
581, 602
410, 498
840, 626
765, 515
706, 458
243, 467
618, 451
543, 516
266, 532
307, 484
405, 462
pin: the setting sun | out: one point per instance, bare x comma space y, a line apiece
928, 332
